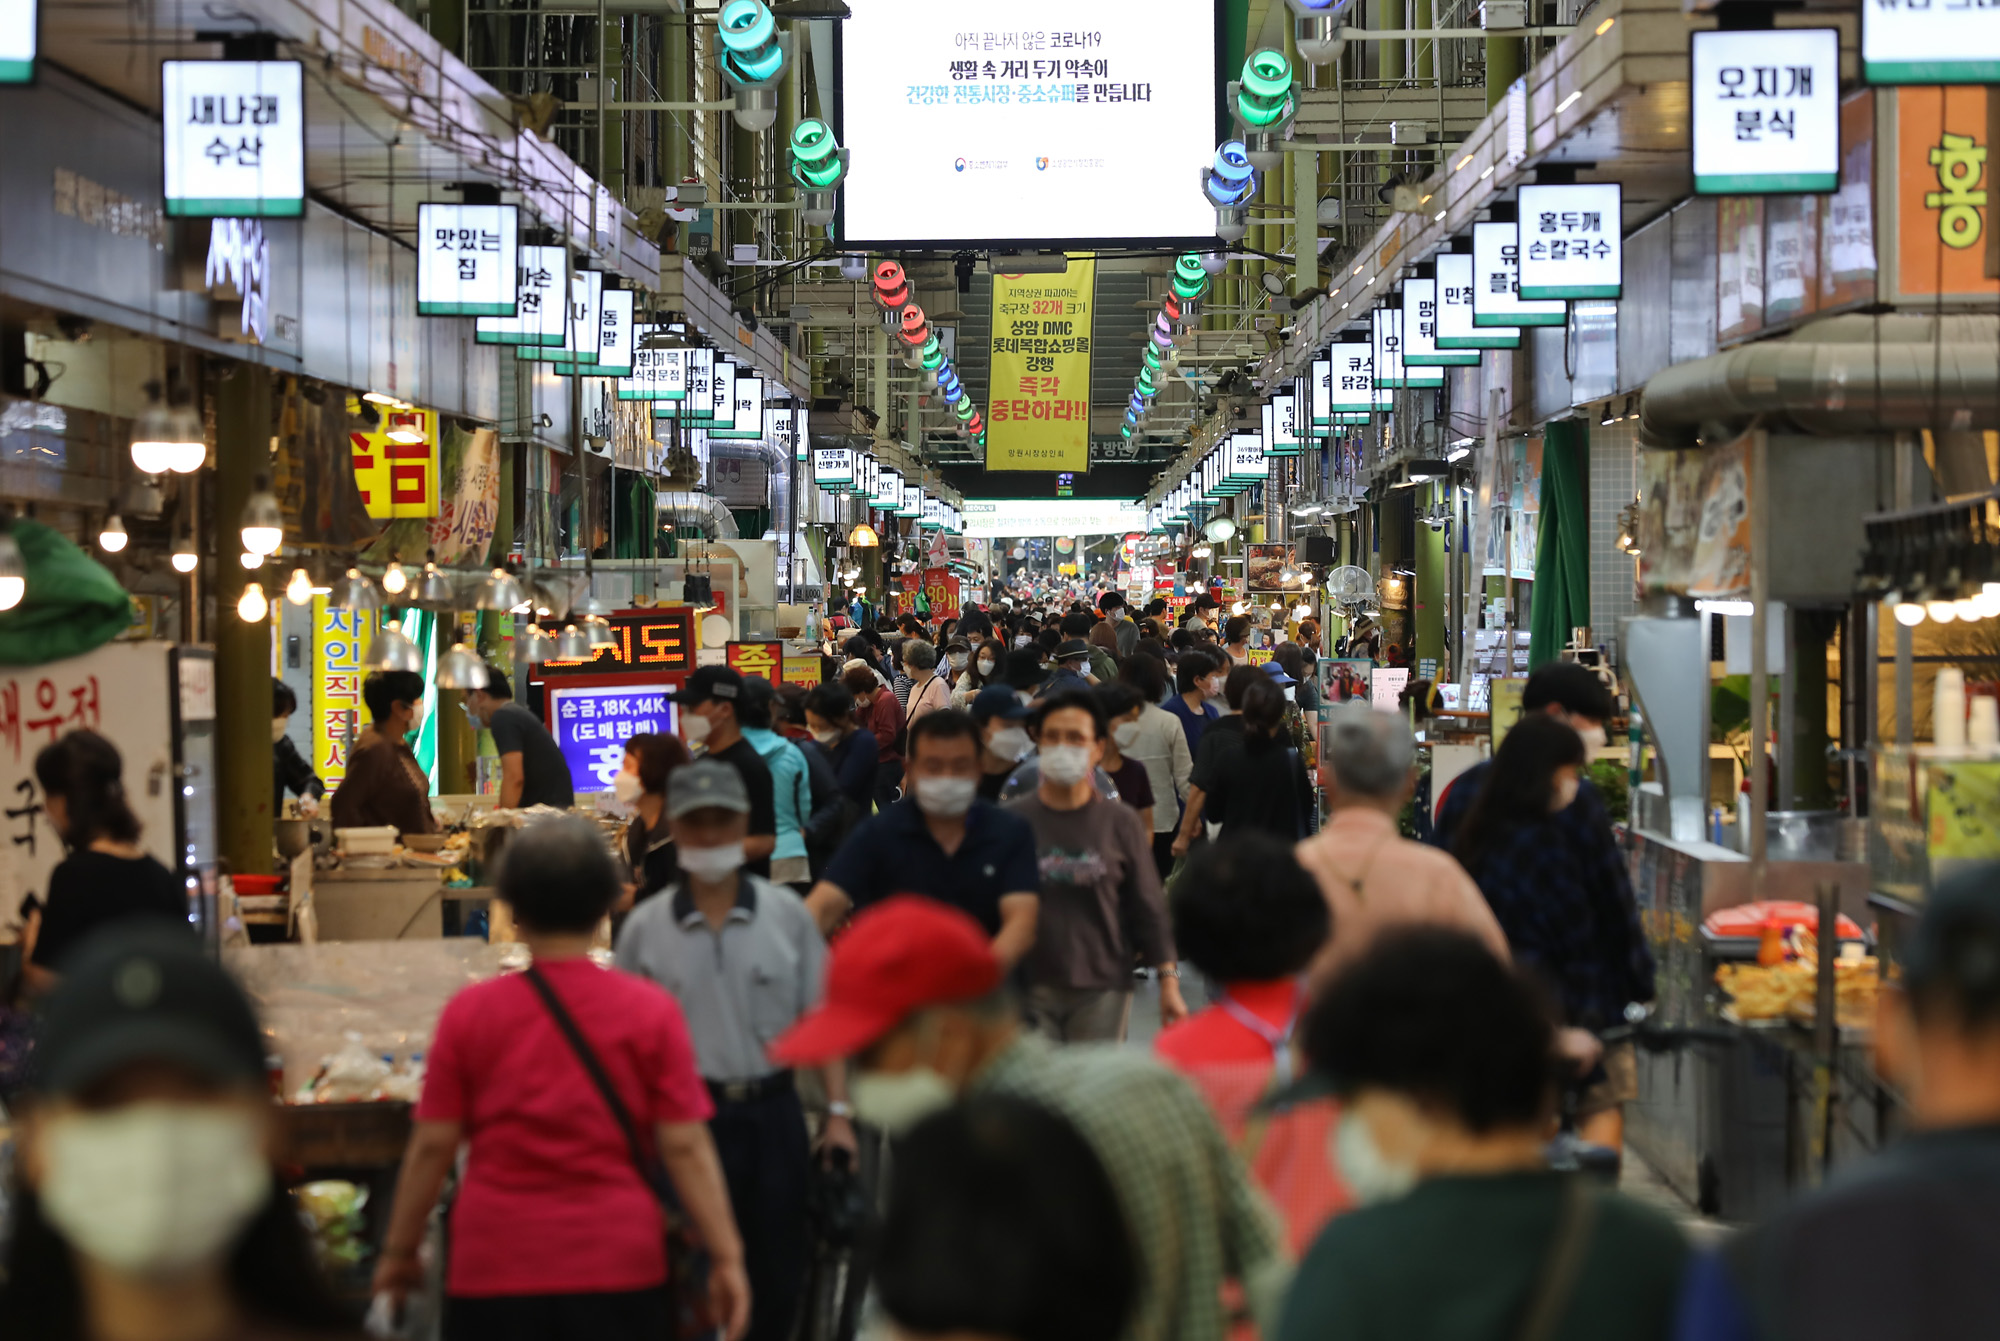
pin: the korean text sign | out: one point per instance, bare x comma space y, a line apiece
1039, 415
765, 660
541, 278
1456, 328
233, 138
1496, 282
20, 25
642, 641
1572, 241
468, 260
1941, 42
591, 726
1766, 110
340, 648
1941, 221
396, 479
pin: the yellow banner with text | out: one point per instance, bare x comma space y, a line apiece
1038, 417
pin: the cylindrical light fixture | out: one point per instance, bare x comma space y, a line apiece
262, 523
185, 559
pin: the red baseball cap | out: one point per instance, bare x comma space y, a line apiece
899, 956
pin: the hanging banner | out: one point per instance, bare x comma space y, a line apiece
340, 647
540, 279
233, 138
396, 479
1496, 282
1766, 107
941, 593
1455, 328
1039, 415
467, 260
1572, 240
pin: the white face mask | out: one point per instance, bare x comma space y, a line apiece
1566, 789
1213, 686
945, 798
1594, 738
985, 665
1291, 693
1009, 742
710, 863
627, 788
1126, 734
1066, 765
1370, 1175
895, 1103
1022, 640
278, 728
958, 660
826, 736
154, 1189
695, 727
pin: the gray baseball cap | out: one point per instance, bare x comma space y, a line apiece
703, 784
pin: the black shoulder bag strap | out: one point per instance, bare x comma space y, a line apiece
1569, 1244
649, 1169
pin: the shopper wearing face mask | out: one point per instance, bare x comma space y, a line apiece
650, 759
1563, 690
291, 771
145, 1207
988, 657
1002, 719
1121, 706
913, 995
1198, 678
850, 748
708, 701
744, 960
943, 842
550, 1079
958, 659
1102, 910
1544, 857
384, 782
533, 771
1441, 1056
1161, 748
877, 712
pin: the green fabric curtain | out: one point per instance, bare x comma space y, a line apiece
73, 604
1562, 553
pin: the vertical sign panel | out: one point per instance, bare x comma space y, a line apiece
233, 138
1766, 108
340, 647
1456, 328
1038, 416
540, 280
1496, 282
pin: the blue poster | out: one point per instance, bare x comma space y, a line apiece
591, 726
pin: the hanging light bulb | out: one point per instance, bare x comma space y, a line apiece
1909, 614
188, 451
461, 668
394, 579
407, 435
262, 523
499, 591
13, 568
299, 591
152, 448
535, 646
185, 560
251, 562
1967, 609
113, 538
863, 537
251, 607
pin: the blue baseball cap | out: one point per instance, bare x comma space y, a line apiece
997, 700
1277, 673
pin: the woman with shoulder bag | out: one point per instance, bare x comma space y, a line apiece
575, 1090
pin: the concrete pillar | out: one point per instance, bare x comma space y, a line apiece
1503, 67
1305, 221
675, 85
242, 648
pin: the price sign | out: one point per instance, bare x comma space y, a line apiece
233, 138
591, 726
1572, 241
468, 260
941, 593
1766, 110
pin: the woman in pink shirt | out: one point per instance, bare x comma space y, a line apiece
556, 1231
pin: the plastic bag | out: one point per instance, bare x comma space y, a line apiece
385, 1318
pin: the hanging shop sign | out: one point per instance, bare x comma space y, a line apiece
1571, 241
659, 639
467, 260
722, 402
1766, 106
614, 339
1420, 327
1388, 343
784, 429
1247, 463
1038, 417
657, 374
1320, 396
765, 660
699, 405
1939, 242
590, 726
583, 320
396, 479
239, 271
20, 32
1455, 326
1951, 43
865, 469
888, 493
1351, 380
233, 138
541, 277
932, 516
746, 410
1496, 282
1281, 431
913, 502
833, 468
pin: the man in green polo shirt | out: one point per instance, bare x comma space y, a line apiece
1443, 1056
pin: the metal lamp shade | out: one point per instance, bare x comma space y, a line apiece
354, 590
597, 629
461, 668
500, 591
573, 644
395, 652
434, 590
536, 646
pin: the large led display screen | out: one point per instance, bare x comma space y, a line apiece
1039, 120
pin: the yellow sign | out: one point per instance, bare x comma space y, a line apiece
397, 479
340, 644
1038, 415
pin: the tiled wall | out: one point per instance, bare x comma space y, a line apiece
1613, 477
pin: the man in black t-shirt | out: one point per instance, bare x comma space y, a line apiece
532, 769
708, 700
